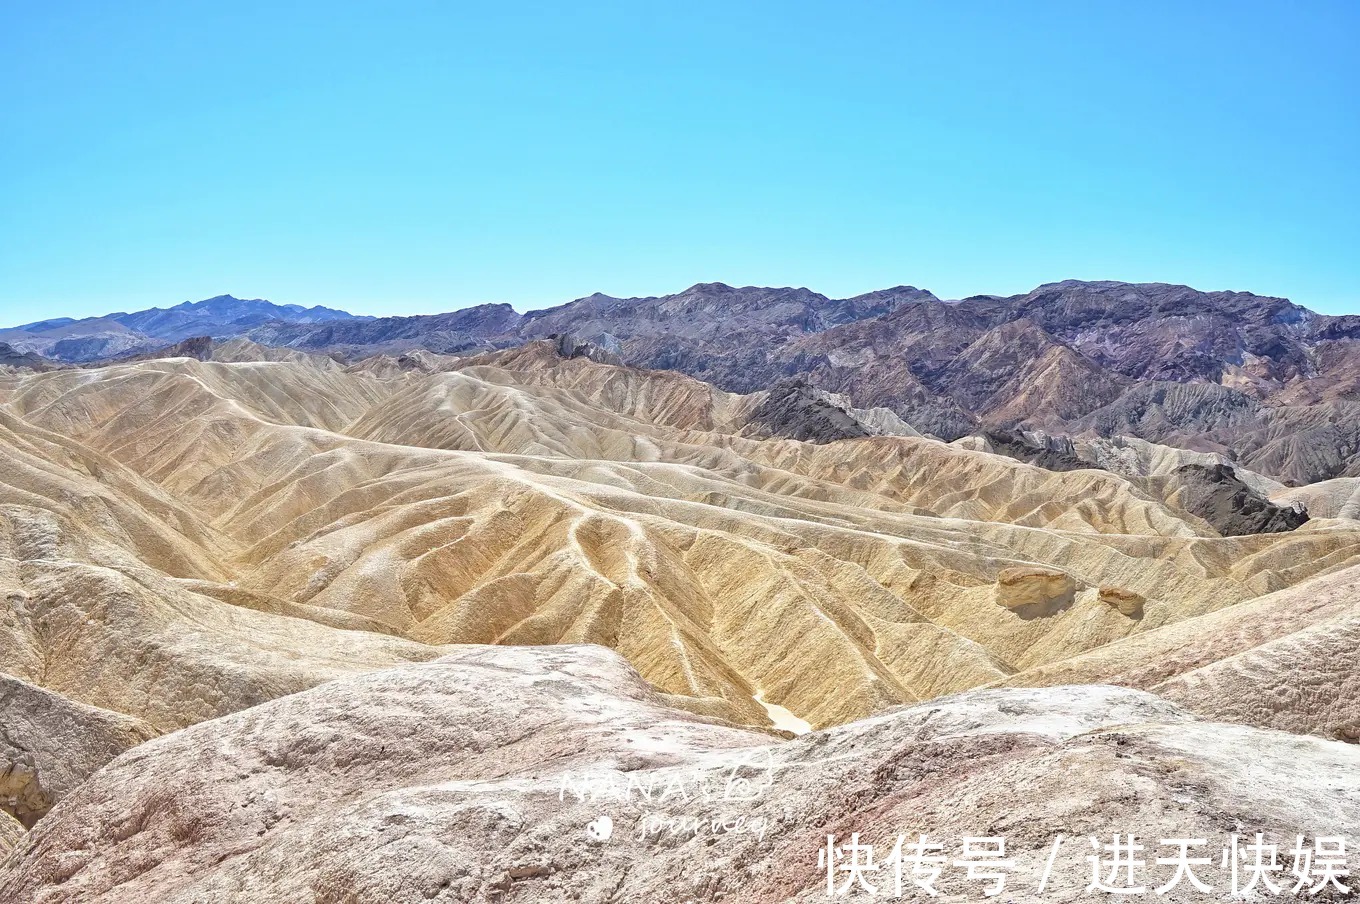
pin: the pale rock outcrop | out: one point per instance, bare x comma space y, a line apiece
49, 745
1126, 601
1023, 587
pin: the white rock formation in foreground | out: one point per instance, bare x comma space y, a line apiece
457, 780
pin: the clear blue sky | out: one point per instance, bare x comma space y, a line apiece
413, 157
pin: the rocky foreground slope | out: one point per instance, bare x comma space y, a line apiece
514, 774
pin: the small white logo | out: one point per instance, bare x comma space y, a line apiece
750, 777
600, 830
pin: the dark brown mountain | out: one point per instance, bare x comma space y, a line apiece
795, 409
1215, 494
200, 348
1054, 453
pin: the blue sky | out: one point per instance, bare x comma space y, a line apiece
415, 157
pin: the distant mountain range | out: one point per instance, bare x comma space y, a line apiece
1259, 379
114, 335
